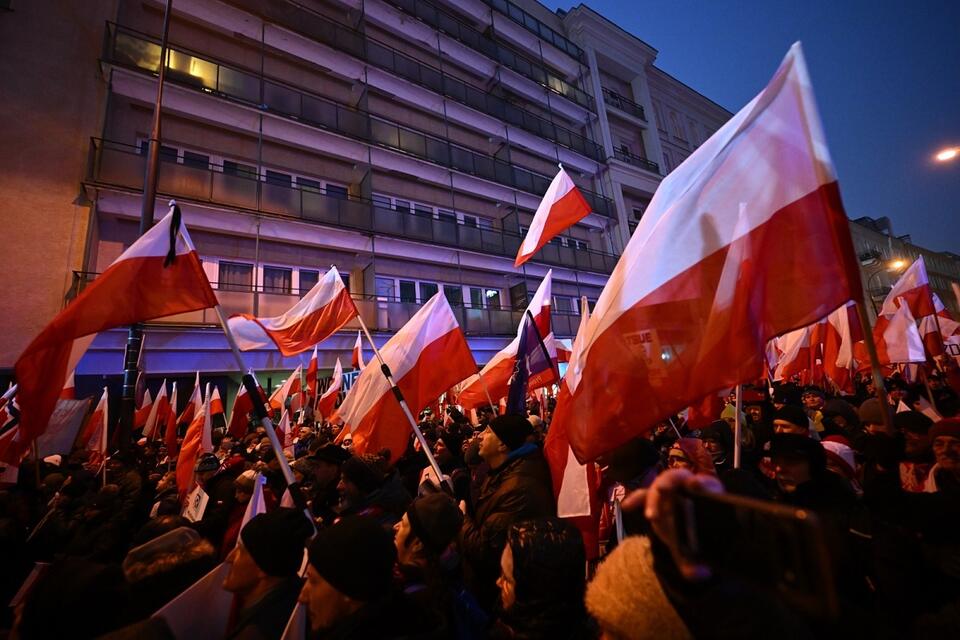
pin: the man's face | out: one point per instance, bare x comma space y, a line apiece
782, 426
714, 448
755, 412
305, 432
349, 492
791, 472
812, 401
244, 573
946, 449
506, 582
325, 605
875, 429
490, 445
325, 473
677, 459
226, 444
404, 539
915, 444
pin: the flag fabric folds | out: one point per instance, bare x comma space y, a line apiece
324, 310
532, 359
744, 241
898, 338
140, 415
158, 412
913, 288
149, 280
495, 375
94, 435
312, 368
193, 403
562, 206
427, 356
170, 427
328, 401
197, 440
357, 361
289, 389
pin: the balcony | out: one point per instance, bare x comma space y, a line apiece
131, 49
443, 21
617, 101
343, 38
637, 161
379, 313
530, 22
117, 165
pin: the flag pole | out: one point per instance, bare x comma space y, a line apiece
880, 390
403, 405
738, 428
926, 384
249, 382
486, 390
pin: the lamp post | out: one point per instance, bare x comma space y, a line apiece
891, 266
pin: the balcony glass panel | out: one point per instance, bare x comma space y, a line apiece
239, 85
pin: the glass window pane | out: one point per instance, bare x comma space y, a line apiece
278, 178
493, 298
562, 304
277, 279
402, 205
196, 160
454, 294
408, 291
385, 288
234, 276
382, 201
307, 184
448, 216
471, 221
337, 191
308, 278
476, 298
232, 168
428, 290
423, 211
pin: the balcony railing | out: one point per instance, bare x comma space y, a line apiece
532, 24
129, 48
379, 313
618, 101
636, 160
341, 37
115, 164
439, 19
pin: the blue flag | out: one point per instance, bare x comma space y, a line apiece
532, 358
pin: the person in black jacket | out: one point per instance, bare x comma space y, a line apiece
517, 488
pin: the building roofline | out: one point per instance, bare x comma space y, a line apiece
685, 85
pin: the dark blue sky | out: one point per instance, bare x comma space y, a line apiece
886, 76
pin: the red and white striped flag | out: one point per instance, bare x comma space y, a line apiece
795, 353
495, 375
562, 206
158, 412
94, 435
913, 287
427, 356
151, 279
242, 406
285, 432
216, 404
170, 427
357, 361
69, 391
328, 401
841, 332
897, 337
289, 388
564, 347
935, 339
326, 307
196, 440
143, 412
312, 369
744, 241
193, 404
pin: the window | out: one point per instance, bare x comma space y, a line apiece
167, 154
279, 179
563, 304
337, 191
638, 213
401, 205
476, 298
428, 290
422, 211
408, 291
557, 240
346, 280
385, 288
382, 202
308, 278
235, 276
625, 149
232, 168
277, 279
306, 184
454, 294
579, 245
447, 216
196, 160
471, 221
493, 298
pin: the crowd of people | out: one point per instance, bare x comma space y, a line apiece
392, 551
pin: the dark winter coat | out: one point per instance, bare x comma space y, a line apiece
268, 617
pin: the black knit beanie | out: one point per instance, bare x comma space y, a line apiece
365, 575
275, 540
367, 472
436, 520
513, 431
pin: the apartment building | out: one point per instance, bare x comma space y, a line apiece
407, 142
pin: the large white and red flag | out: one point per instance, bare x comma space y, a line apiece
325, 309
427, 356
194, 403
290, 388
913, 288
357, 358
841, 331
938, 331
312, 369
575, 485
143, 412
69, 391
328, 401
562, 206
744, 241
495, 375
159, 275
158, 413
897, 337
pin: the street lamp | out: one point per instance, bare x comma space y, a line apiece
891, 266
948, 154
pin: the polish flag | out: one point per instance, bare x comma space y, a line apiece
795, 353
193, 404
914, 288
564, 347
934, 339
216, 404
290, 387
326, 307
140, 415
10, 452
495, 375
562, 206
94, 435
744, 241
328, 401
312, 369
197, 440
242, 406
158, 412
357, 362
427, 356
151, 279
898, 339
69, 391
841, 332
170, 426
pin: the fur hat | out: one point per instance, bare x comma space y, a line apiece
626, 598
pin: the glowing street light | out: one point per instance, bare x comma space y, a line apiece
948, 154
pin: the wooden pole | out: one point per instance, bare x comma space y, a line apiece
738, 428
